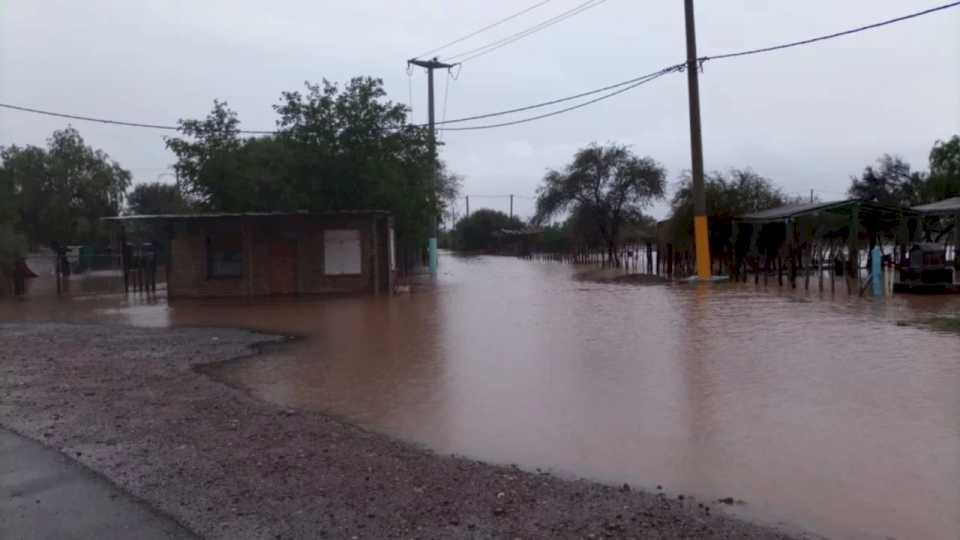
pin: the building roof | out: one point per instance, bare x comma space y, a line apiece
835, 207
235, 215
945, 207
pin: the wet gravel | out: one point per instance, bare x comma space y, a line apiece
136, 406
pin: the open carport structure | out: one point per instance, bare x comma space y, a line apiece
800, 239
940, 219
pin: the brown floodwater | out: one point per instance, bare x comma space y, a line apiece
818, 411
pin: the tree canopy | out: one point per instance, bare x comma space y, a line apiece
478, 231
893, 182
890, 182
61, 192
157, 198
731, 194
944, 179
605, 185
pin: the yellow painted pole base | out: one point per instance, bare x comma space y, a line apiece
702, 242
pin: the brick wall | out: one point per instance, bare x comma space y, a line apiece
188, 276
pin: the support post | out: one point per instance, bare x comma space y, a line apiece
876, 273
956, 242
511, 206
853, 256
701, 233
431, 65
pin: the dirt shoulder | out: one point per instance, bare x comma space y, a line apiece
130, 404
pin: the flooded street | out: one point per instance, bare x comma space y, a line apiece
816, 412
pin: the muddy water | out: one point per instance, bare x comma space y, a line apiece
816, 412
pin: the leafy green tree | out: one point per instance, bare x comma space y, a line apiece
944, 180
728, 195
891, 182
479, 231
61, 192
157, 198
607, 186
208, 161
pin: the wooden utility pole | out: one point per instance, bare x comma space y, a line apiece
701, 234
431, 65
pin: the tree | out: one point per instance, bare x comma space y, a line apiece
208, 161
736, 193
479, 230
607, 185
61, 192
157, 198
944, 180
891, 182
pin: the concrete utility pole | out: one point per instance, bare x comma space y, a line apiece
701, 234
431, 65
511, 206
468, 206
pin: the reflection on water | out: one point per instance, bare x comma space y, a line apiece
818, 412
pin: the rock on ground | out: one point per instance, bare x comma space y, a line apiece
132, 405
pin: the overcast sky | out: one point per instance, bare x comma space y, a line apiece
807, 118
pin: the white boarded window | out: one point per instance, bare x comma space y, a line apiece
342, 253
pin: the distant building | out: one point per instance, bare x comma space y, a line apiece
259, 254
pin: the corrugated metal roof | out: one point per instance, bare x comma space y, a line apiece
797, 210
945, 207
794, 210
232, 215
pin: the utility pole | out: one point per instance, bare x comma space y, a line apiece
701, 234
431, 65
811, 196
511, 206
468, 206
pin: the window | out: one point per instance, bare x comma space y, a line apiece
342, 253
225, 256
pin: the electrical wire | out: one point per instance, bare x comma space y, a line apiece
572, 107
623, 86
410, 87
484, 29
558, 100
117, 122
830, 36
446, 94
490, 47
700, 60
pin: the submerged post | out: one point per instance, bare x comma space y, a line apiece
876, 273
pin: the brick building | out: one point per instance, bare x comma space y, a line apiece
259, 254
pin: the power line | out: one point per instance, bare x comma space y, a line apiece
623, 86
446, 95
645, 80
559, 100
116, 122
490, 47
830, 36
633, 83
484, 29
